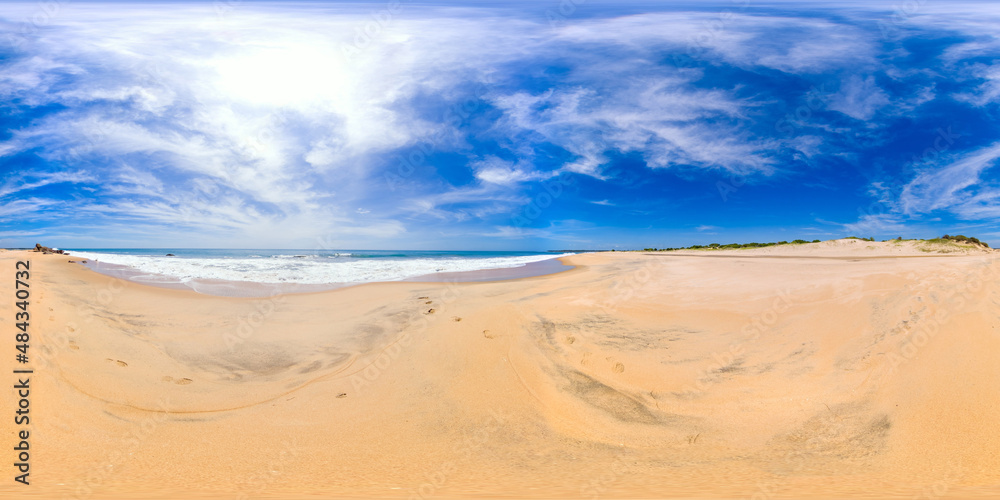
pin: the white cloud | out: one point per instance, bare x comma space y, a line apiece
494, 170
660, 118
513, 232
25, 208
954, 186
872, 224
988, 90
790, 44
226, 112
26, 181
859, 98
462, 204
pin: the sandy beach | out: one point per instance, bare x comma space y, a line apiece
825, 370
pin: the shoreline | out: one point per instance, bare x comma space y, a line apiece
250, 289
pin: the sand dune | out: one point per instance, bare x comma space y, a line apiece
631, 376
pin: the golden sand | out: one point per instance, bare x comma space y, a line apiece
823, 371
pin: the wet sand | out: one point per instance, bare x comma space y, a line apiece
630, 376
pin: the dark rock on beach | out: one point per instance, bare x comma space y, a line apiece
46, 250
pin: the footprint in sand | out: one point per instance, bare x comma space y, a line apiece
422, 298
570, 340
70, 329
456, 318
618, 368
429, 302
342, 395
121, 363
72, 345
488, 334
168, 378
183, 381
429, 311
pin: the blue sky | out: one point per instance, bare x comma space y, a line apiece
494, 126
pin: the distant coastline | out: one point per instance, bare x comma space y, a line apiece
943, 243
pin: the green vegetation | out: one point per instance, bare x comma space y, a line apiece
964, 239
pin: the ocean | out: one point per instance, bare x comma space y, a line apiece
305, 267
